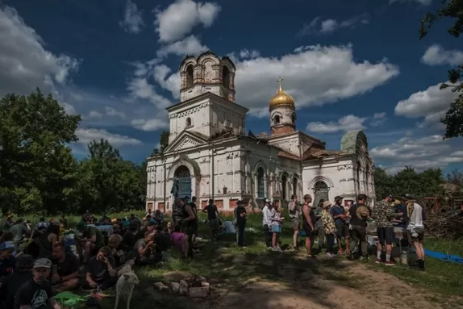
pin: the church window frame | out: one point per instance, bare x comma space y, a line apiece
260, 182
188, 122
226, 76
320, 189
293, 118
284, 186
189, 71
276, 119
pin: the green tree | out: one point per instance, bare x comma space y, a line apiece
453, 10
383, 182
38, 170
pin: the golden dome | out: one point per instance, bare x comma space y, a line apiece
281, 98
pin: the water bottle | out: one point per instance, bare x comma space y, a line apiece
404, 258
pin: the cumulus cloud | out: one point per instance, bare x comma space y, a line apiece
188, 46
179, 18
313, 75
420, 153
378, 119
151, 124
326, 26
422, 2
88, 135
437, 55
430, 104
346, 123
25, 64
133, 19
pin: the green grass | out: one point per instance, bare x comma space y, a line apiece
230, 268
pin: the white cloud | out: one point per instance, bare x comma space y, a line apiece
437, 55
170, 82
88, 135
151, 124
109, 111
133, 19
179, 18
419, 153
188, 46
422, 2
313, 75
378, 119
430, 104
346, 123
249, 54
141, 88
326, 26
24, 62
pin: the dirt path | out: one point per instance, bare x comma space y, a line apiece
309, 291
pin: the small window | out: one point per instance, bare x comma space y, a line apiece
188, 122
189, 76
293, 118
277, 119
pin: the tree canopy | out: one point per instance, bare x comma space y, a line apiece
452, 11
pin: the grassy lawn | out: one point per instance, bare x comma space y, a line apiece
229, 268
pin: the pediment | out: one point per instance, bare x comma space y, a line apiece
184, 141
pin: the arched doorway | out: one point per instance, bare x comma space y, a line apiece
320, 191
284, 187
183, 176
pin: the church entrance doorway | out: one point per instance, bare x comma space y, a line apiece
183, 176
320, 192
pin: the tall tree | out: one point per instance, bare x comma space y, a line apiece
453, 10
38, 169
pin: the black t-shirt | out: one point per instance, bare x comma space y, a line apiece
69, 266
11, 285
239, 219
35, 295
129, 239
163, 242
211, 212
99, 270
355, 220
185, 215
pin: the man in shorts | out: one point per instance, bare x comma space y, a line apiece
342, 229
415, 229
383, 213
308, 219
190, 225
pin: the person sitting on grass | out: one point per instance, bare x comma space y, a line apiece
145, 249
66, 276
158, 217
18, 230
101, 272
91, 241
178, 239
14, 281
7, 259
37, 292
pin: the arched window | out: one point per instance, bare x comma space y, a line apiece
295, 186
260, 183
321, 190
358, 177
293, 118
277, 119
189, 76
188, 122
284, 187
225, 77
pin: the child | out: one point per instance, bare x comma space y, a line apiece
277, 220
178, 239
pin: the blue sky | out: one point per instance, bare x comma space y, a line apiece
354, 64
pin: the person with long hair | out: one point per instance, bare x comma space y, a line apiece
277, 221
415, 229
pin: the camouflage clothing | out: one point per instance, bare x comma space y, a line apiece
383, 213
328, 222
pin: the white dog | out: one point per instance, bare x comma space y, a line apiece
124, 287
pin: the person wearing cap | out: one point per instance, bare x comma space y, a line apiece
295, 216
65, 270
240, 215
329, 227
7, 260
13, 282
342, 229
130, 236
92, 240
308, 221
101, 272
150, 228
37, 293
359, 214
267, 222
415, 229
383, 214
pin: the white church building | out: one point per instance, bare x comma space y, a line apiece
211, 156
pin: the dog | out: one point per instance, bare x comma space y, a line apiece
124, 287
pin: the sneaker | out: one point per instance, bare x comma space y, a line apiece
389, 263
329, 255
378, 261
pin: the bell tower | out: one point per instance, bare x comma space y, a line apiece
282, 112
207, 73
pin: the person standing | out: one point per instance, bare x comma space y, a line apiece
295, 217
240, 214
319, 230
267, 223
177, 211
213, 218
383, 213
415, 229
277, 221
342, 230
308, 223
190, 225
358, 223
329, 228
194, 207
